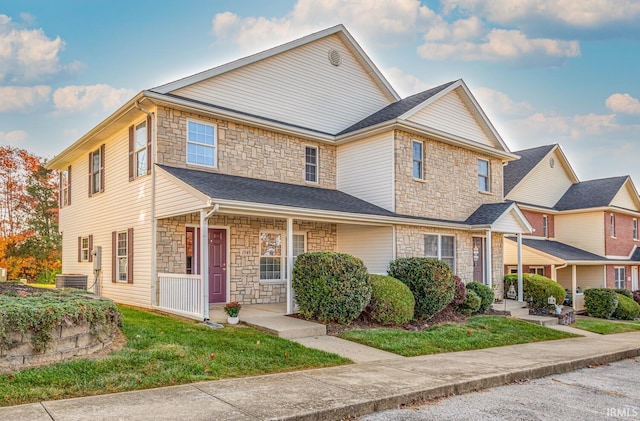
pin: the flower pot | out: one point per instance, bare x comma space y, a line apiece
233, 320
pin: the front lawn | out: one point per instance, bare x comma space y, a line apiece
605, 327
476, 333
163, 351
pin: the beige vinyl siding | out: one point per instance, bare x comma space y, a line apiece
374, 245
625, 198
122, 205
529, 256
299, 86
172, 200
508, 224
365, 170
451, 115
586, 277
582, 230
544, 185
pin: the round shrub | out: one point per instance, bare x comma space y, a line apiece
636, 296
391, 302
536, 289
471, 303
624, 292
331, 287
600, 302
484, 292
460, 292
430, 281
627, 308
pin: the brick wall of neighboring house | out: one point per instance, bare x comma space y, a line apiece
622, 244
450, 186
246, 151
535, 219
244, 251
611, 277
410, 243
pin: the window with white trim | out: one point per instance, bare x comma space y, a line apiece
635, 229
96, 175
483, 175
612, 225
619, 276
201, 144
418, 160
536, 270
140, 149
270, 256
545, 226
311, 164
442, 247
122, 256
64, 188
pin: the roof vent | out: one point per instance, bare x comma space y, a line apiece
334, 57
552, 162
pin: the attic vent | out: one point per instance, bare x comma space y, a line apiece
334, 57
552, 162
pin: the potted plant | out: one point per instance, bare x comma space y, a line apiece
233, 310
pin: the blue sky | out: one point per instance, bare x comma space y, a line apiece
557, 71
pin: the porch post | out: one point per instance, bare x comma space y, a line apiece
488, 259
574, 282
204, 262
554, 273
520, 283
289, 265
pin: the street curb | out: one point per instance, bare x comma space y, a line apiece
461, 387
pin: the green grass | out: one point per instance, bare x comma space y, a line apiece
162, 351
605, 327
48, 286
477, 333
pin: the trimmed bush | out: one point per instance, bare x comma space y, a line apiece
484, 292
471, 303
636, 296
600, 302
430, 281
391, 302
460, 292
331, 287
625, 292
627, 308
536, 289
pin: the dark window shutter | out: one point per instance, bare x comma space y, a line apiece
90, 175
91, 248
102, 167
60, 190
69, 185
131, 153
130, 255
114, 260
79, 249
149, 128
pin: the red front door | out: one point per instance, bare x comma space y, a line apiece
217, 266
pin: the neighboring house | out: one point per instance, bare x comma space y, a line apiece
586, 233
205, 189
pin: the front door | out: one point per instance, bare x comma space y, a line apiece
478, 259
634, 278
217, 265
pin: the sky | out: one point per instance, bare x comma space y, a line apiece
544, 71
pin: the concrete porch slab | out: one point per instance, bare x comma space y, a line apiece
539, 320
286, 327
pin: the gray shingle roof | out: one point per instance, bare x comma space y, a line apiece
561, 250
591, 194
636, 254
230, 187
488, 213
395, 110
515, 171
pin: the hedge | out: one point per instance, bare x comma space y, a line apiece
627, 308
600, 302
536, 289
392, 302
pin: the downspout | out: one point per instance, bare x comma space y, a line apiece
154, 224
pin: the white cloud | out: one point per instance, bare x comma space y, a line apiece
406, 84
500, 103
623, 103
22, 98
573, 13
13, 138
82, 98
545, 128
372, 20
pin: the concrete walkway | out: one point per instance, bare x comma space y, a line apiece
338, 392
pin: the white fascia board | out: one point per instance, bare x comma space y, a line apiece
566, 163
534, 208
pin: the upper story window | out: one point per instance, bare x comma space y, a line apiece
202, 145
311, 164
418, 160
612, 225
483, 175
96, 171
441, 247
141, 149
545, 226
635, 229
65, 187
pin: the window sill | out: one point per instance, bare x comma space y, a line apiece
420, 180
208, 167
312, 183
485, 192
271, 281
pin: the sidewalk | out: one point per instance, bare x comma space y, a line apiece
339, 392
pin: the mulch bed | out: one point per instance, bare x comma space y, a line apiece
19, 289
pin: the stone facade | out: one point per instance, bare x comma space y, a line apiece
449, 189
245, 151
244, 253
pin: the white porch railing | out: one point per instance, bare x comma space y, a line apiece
181, 294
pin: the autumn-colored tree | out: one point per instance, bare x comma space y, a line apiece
29, 238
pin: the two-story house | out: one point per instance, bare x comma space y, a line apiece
586, 232
204, 190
